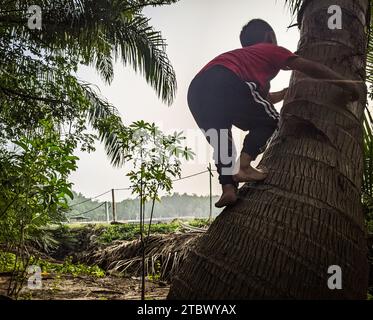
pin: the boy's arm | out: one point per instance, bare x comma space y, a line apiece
276, 97
319, 71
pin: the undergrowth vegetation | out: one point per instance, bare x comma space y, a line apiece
8, 260
69, 234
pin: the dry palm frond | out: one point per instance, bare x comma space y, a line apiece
191, 228
163, 254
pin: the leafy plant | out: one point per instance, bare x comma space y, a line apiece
156, 161
70, 268
33, 192
7, 261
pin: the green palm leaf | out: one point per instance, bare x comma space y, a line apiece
96, 33
105, 118
100, 32
368, 155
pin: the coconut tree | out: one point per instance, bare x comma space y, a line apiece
281, 237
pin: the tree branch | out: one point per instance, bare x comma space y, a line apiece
29, 97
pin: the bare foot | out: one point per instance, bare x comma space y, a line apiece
228, 197
250, 174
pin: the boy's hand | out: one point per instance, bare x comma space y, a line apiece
319, 71
284, 92
275, 97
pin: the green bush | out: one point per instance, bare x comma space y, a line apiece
199, 223
70, 268
7, 261
132, 231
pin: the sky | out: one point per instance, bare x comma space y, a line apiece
196, 31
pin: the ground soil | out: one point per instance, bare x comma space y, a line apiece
68, 287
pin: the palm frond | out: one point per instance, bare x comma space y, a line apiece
368, 154
163, 254
294, 6
98, 32
105, 119
369, 65
144, 49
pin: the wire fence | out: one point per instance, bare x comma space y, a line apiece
90, 199
80, 214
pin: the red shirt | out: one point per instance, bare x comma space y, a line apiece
259, 63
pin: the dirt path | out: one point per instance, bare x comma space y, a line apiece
67, 287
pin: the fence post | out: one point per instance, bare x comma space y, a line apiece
107, 212
113, 205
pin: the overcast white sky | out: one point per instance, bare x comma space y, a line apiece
196, 31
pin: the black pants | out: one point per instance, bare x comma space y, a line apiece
219, 99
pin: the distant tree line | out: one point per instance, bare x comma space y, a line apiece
173, 206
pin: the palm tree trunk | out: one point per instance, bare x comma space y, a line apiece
279, 240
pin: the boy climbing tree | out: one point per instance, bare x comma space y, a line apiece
234, 89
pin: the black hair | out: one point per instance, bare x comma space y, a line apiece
254, 32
